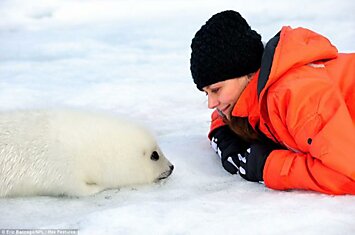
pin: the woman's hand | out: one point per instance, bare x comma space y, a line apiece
252, 161
228, 145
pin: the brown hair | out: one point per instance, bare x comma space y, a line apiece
242, 127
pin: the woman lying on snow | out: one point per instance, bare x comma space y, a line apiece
284, 114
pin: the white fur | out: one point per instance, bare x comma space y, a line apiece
74, 153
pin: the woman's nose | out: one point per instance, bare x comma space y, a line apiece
212, 102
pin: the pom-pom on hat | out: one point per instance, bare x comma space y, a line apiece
224, 48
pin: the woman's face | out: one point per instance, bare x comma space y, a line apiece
223, 95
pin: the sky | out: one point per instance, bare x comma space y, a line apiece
131, 58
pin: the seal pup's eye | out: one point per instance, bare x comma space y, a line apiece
154, 156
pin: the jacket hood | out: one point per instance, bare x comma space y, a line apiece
294, 48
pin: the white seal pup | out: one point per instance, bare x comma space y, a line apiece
75, 153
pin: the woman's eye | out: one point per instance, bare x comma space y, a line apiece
215, 90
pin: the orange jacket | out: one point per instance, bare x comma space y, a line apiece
308, 106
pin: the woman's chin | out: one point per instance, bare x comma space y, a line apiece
227, 112
227, 115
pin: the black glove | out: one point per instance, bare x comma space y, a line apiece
252, 161
228, 145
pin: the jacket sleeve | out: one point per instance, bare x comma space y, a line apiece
216, 121
317, 123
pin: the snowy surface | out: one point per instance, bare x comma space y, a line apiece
131, 58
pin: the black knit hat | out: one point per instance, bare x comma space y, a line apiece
224, 48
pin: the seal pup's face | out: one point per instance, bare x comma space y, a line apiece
155, 156
159, 164
141, 166
127, 155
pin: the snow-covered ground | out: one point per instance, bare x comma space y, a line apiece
131, 58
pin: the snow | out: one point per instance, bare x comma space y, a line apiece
131, 58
